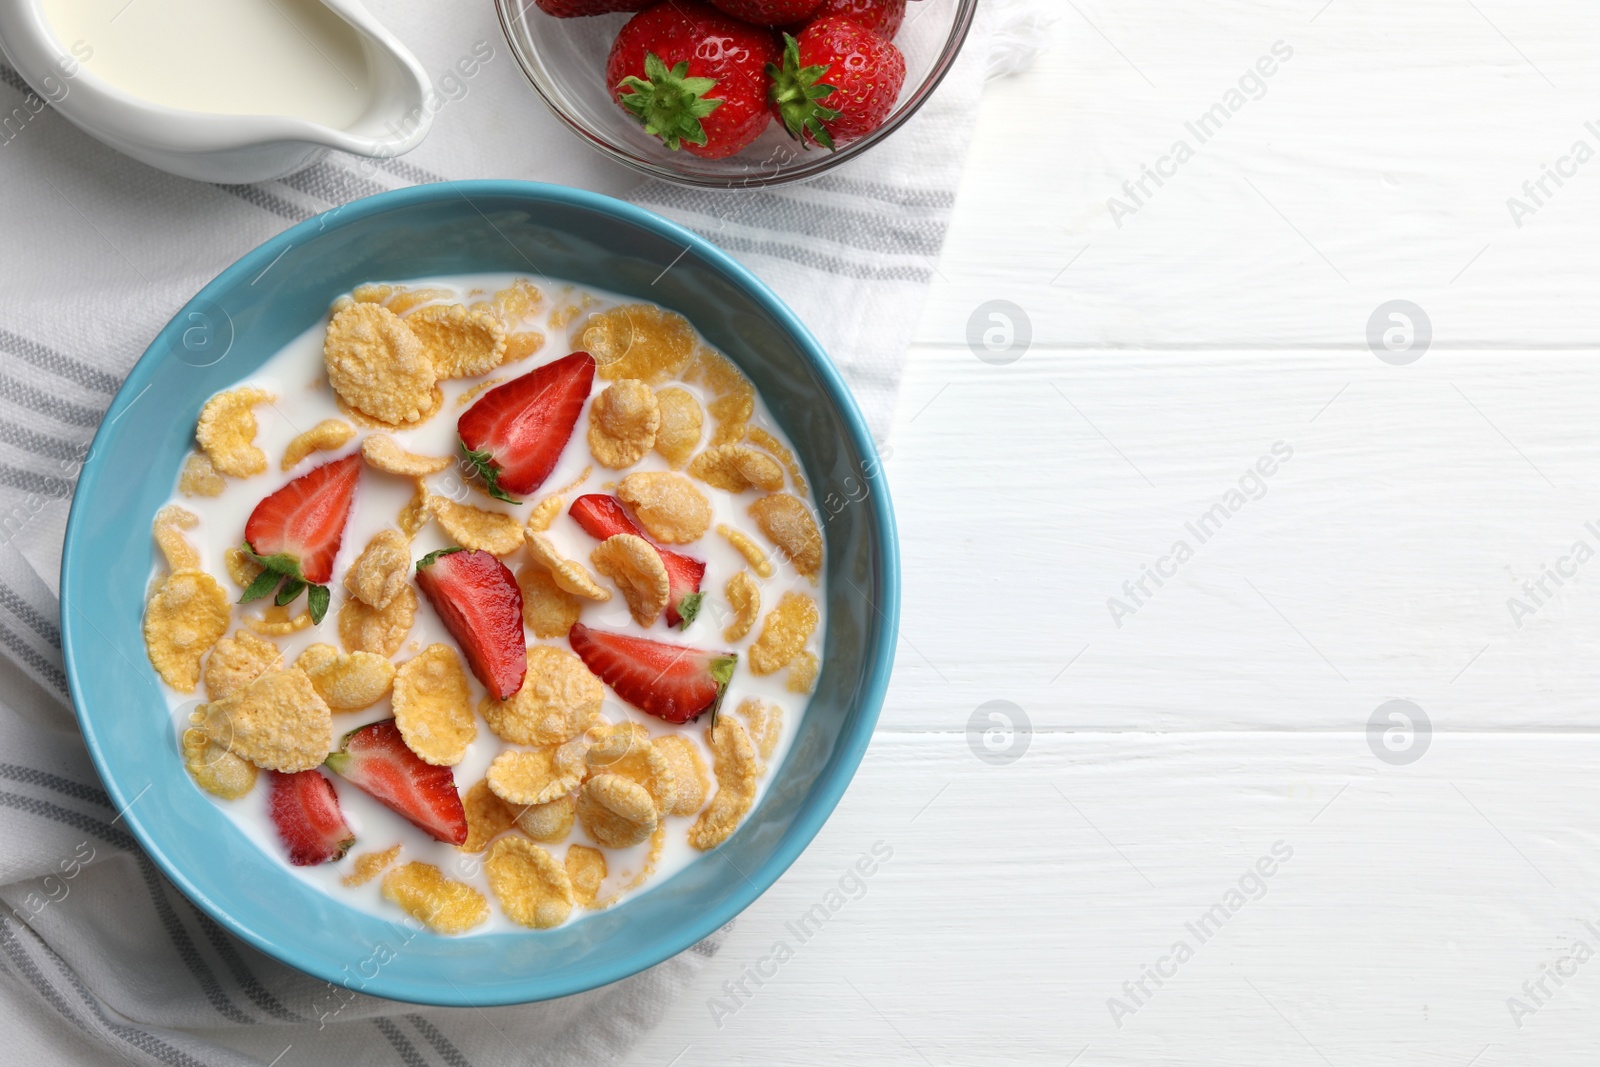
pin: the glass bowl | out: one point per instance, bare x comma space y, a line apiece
564, 60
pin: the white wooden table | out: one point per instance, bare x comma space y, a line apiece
1227, 715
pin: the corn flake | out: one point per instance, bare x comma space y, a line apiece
532, 887
547, 609
168, 527
277, 722
241, 568
639, 341
519, 301
752, 552
215, 769
406, 301
237, 661
586, 868
430, 408
625, 749
736, 468
473, 528
377, 365
384, 453
622, 423
347, 681
462, 342
784, 633
550, 823
367, 866
558, 697
325, 436
669, 506
744, 596
757, 436
616, 811
803, 673
487, 817
227, 431
187, 614
766, 725
363, 628
688, 772
278, 622
424, 893
789, 524
681, 420
537, 776
433, 706
522, 344
544, 513
200, 477
735, 765
568, 575
635, 566
382, 569
414, 516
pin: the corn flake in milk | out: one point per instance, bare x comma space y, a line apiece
567, 797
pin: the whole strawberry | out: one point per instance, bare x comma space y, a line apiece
572, 9
882, 17
770, 12
693, 77
838, 81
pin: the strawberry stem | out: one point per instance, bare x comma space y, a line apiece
432, 557
798, 93
669, 103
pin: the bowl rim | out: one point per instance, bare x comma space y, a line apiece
965, 14
831, 781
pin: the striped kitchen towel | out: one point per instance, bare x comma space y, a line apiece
101, 960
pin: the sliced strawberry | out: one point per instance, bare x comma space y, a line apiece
295, 533
603, 516
670, 682
375, 760
305, 809
515, 433
481, 605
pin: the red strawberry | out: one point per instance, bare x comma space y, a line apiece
838, 81
882, 17
515, 433
694, 77
603, 516
481, 605
769, 12
305, 809
375, 760
571, 9
295, 533
670, 682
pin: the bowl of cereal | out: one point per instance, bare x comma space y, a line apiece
519, 599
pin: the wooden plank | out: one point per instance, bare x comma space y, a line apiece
1405, 906
1377, 165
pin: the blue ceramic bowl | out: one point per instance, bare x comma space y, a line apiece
273, 294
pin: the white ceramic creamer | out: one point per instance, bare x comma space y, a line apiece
221, 90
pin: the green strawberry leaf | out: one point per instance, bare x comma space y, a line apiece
688, 608
797, 92
265, 583
722, 673
487, 470
290, 589
282, 564
668, 102
317, 601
